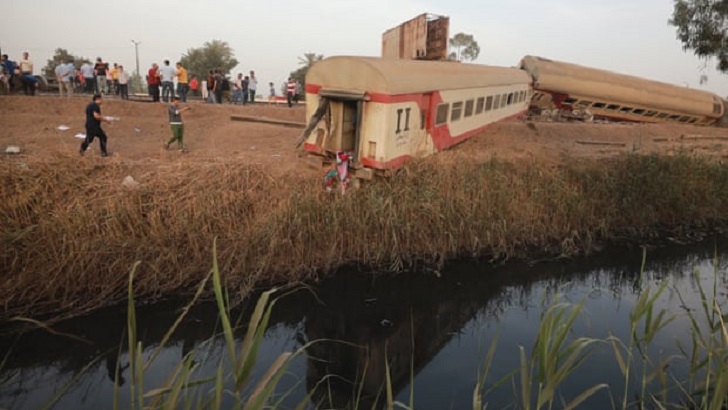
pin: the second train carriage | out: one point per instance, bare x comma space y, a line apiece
618, 96
386, 112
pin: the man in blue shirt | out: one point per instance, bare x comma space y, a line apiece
9, 68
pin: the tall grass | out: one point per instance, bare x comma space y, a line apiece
70, 231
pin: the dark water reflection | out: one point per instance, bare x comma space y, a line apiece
451, 320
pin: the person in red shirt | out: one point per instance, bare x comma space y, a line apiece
194, 85
153, 82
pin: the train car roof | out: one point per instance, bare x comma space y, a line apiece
394, 77
567, 78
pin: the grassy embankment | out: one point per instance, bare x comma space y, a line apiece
70, 231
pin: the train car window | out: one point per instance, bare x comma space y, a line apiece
662, 115
650, 113
480, 105
399, 120
503, 100
612, 107
569, 101
684, 119
489, 103
716, 108
693, 120
442, 111
457, 111
510, 98
599, 105
496, 103
583, 104
469, 107
639, 111
423, 119
673, 117
625, 110
407, 118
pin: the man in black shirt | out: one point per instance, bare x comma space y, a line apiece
93, 125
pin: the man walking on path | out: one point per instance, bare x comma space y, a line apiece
175, 123
93, 125
167, 73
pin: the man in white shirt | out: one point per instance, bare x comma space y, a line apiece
167, 73
123, 77
87, 71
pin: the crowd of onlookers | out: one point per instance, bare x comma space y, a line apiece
105, 78
18, 75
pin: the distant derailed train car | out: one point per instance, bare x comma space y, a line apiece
386, 112
618, 96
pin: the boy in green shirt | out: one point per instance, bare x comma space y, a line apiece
175, 123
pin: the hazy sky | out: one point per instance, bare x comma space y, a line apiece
629, 36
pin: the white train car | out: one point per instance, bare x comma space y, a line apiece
386, 112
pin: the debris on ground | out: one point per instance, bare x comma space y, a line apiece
12, 150
129, 182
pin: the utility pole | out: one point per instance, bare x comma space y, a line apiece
136, 50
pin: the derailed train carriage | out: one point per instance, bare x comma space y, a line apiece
386, 112
620, 97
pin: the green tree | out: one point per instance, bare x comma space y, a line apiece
61, 54
702, 26
305, 62
213, 55
466, 48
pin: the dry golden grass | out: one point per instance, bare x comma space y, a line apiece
71, 231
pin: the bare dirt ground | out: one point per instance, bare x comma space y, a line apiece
210, 135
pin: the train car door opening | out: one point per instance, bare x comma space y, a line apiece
345, 115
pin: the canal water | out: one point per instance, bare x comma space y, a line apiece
438, 324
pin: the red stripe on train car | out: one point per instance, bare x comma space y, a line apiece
313, 88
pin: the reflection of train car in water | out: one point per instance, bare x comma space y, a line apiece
385, 112
617, 96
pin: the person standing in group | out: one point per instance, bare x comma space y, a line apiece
272, 93
93, 125
26, 74
252, 86
167, 73
9, 72
290, 91
87, 71
175, 123
211, 87
245, 84
113, 79
238, 89
194, 85
182, 83
100, 69
218, 86
64, 72
153, 82
123, 79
